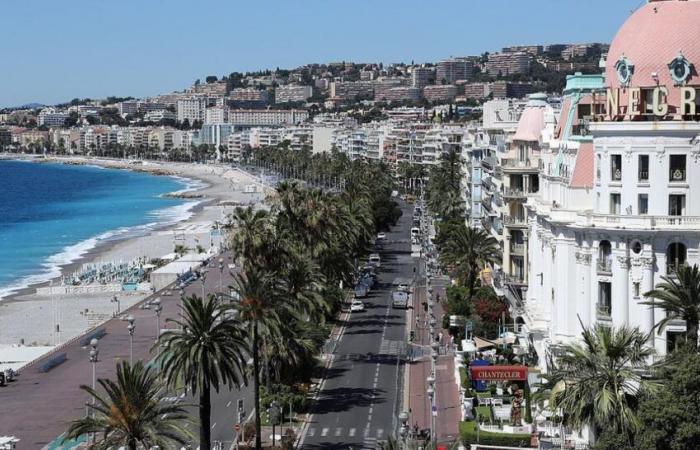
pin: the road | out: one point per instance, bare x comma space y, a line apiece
358, 397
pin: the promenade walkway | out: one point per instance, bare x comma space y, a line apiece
446, 390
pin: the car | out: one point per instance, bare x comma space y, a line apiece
361, 291
403, 287
399, 300
381, 236
375, 260
357, 306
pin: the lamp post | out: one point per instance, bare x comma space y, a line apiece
203, 277
431, 396
157, 307
115, 299
94, 352
221, 274
182, 299
131, 327
403, 431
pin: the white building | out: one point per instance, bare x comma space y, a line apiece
267, 117
50, 117
617, 208
191, 109
292, 93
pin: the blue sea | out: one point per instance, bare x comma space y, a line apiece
52, 214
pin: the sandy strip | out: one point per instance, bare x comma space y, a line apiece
30, 318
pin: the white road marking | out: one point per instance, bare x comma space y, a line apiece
324, 432
338, 432
379, 433
352, 431
212, 427
228, 404
311, 432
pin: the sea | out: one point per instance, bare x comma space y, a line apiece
52, 214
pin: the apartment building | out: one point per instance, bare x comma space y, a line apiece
216, 114
440, 93
422, 77
292, 93
51, 117
402, 93
267, 118
505, 89
381, 87
192, 109
217, 88
507, 63
248, 98
476, 91
350, 90
159, 115
448, 71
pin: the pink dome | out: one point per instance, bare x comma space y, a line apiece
653, 37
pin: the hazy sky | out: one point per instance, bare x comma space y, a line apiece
52, 51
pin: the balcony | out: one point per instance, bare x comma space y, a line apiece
515, 222
676, 175
604, 311
643, 176
672, 267
514, 194
488, 162
616, 174
604, 266
513, 165
517, 279
517, 249
614, 221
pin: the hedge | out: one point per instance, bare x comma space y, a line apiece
467, 433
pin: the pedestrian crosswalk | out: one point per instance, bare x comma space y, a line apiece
391, 347
367, 434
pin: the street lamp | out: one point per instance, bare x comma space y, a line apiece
94, 352
131, 327
203, 277
403, 431
431, 396
157, 307
221, 274
115, 299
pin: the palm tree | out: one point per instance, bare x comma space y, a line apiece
679, 296
261, 308
599, 382
468, 250
208, 351
131, 414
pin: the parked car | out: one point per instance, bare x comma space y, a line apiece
361, 290
375, 260
357, 306
399, 299
381, 236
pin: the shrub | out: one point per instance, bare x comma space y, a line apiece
468, 435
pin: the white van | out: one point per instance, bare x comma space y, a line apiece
415, 232
375, 260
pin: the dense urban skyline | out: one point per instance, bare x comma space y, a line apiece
82, 49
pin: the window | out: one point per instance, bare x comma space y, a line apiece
643, 168
635, 289
643, 204
616, 167
676, 255
674, 339
676, 205
604, 257
677, 168
597, 168
615, 203
604, 299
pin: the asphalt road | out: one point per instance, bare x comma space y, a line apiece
356, 404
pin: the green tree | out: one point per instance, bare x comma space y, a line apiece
131, 413
207, 351
599, 382
670, 418
679, 296
467, 250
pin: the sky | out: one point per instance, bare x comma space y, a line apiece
53, 51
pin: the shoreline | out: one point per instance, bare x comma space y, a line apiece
217, 186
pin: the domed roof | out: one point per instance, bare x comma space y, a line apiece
651, 39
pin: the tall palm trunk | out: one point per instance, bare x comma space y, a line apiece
256, 385
692, 326
205, 417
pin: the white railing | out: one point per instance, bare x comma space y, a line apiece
639, 222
